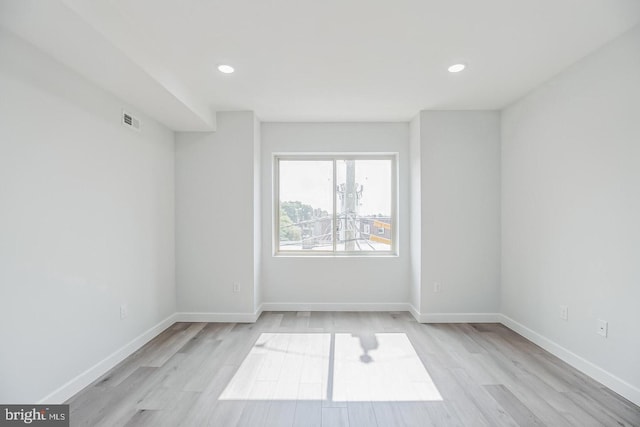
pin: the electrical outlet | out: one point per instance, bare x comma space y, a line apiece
236, 287
436, 286
564, 312
124, 312
603, 327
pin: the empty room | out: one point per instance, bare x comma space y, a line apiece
319, 213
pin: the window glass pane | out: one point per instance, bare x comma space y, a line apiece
363, 205
306, 205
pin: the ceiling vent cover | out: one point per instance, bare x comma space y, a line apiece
130, 121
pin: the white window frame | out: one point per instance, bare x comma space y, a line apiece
334, 157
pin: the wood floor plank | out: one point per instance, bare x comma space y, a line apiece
254, 413
121, 404
618, 404
398, 414
173, 345
308, 413
225, 413
345, 369
335, 417
468, 414
550, 405
491, 409
308, 405
597, 410
191, 364
281, 413
172, 414
361, 414
440, 414
514, 407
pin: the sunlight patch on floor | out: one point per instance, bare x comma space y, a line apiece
339, 367
380, 367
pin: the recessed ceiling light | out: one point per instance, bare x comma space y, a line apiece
227, 69
456, 68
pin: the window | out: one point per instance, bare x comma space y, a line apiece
339, 204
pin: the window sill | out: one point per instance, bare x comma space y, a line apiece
334, 255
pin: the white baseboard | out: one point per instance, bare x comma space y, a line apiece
219, 317
339, 306
400, 306
597, 373
76, 384
414, 312
457, 317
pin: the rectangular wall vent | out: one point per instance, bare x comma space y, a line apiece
130, 121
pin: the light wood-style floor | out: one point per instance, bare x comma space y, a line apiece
346, 369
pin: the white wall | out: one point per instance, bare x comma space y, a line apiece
335, 279
460, 192
215, 217
257, 217
571, 208
415, 214
86, 223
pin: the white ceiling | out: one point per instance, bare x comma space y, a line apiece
331, 60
